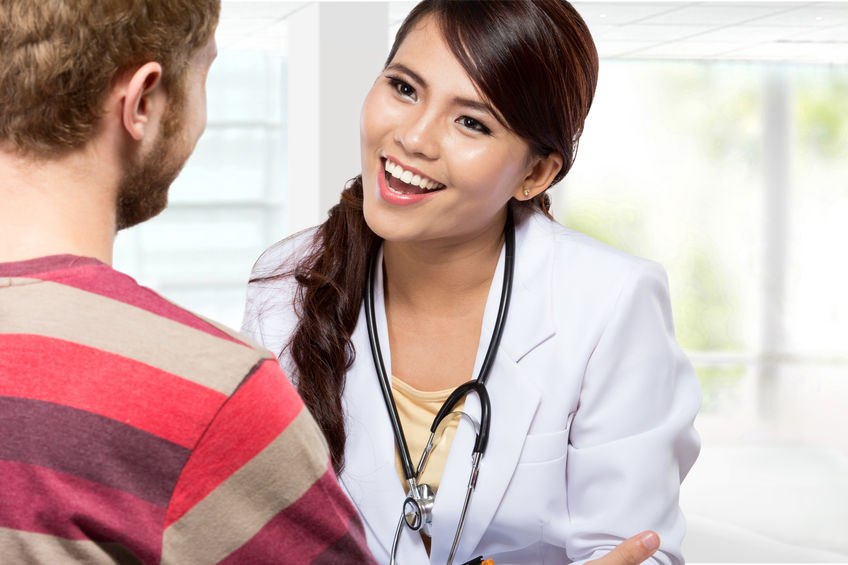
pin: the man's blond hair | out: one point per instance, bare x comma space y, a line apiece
59, 58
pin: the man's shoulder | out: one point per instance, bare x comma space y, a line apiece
94, 308
210, 354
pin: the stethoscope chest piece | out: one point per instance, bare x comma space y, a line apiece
418, 508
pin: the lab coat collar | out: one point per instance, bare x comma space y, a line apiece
530, 319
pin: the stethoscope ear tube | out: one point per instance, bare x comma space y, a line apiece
485, 407
380, 366
506, 294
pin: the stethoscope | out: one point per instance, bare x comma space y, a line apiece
417, 511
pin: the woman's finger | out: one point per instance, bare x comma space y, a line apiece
631, 551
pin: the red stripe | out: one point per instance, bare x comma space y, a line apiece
106, 281
35, 499
30, 268
312, 526
110, 385
253, 417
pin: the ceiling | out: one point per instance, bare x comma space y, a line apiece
779, 31
770, 31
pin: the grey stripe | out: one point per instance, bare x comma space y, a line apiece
235, 511
63, 312
29, 547
237, 335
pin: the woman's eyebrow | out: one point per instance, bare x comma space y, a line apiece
407, 71
475, 105
458, 100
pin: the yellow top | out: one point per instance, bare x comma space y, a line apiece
417, 409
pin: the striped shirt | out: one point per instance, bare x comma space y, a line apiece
132, 431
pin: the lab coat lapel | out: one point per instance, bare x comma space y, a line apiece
370, 476
513, 394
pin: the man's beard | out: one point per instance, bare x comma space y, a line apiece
143, 191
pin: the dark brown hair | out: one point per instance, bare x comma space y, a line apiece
536, 63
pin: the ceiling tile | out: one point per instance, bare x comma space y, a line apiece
718, 13
836, 34
793, 52
816, 15
745, 35
612, 49
640, 32
685, 50
619, 13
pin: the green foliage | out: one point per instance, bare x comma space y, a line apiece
822, 116
718, 384
621, 227
705, 309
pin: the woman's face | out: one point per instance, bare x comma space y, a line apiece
425, 123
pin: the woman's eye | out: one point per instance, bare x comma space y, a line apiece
473, 124
402, 88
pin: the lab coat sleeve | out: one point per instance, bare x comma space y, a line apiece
632, 440
269, 316
261, 296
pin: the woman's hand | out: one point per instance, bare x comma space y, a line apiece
631, 551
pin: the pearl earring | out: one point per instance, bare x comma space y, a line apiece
526, 192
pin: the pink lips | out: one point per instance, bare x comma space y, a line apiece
393, 197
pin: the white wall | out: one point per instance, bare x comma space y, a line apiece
335, 52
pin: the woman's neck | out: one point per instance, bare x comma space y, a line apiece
441, 277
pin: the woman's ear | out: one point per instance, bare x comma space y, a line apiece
143, 92
540, 174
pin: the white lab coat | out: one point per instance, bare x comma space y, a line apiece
592, 409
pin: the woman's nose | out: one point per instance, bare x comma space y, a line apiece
420, 135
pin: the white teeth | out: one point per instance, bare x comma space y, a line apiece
409, 177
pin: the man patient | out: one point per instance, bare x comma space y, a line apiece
131, 430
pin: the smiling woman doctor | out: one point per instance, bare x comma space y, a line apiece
440, 266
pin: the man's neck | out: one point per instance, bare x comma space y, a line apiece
62, 205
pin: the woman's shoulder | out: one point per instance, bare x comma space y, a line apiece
281, 258
575, 252
587, 281
269, 316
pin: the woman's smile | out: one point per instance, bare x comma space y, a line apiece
405, 179
402, 185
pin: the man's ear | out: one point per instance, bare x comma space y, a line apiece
143, 92
540, 174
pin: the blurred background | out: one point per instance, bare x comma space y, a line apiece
717, 145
